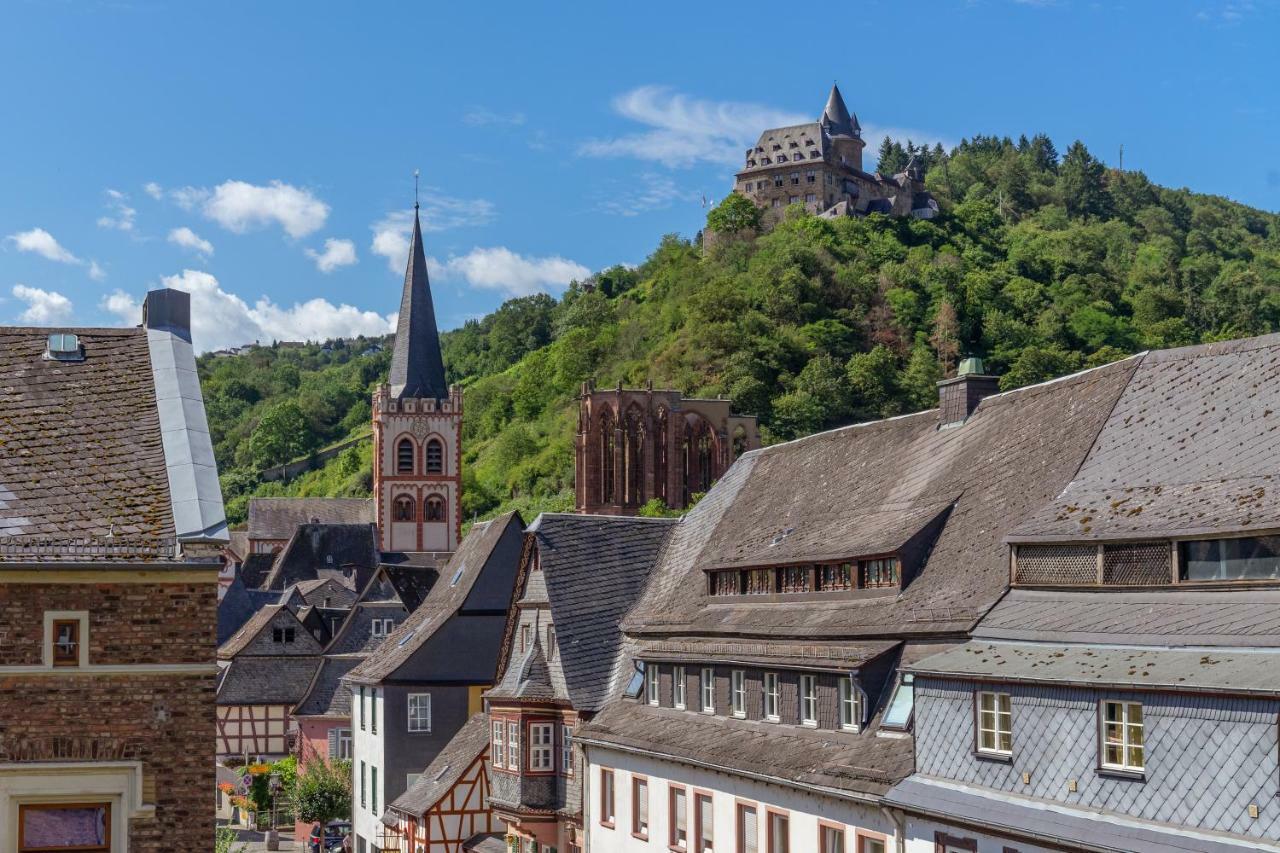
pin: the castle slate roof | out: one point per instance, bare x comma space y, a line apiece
326, 550
444, 600
417, 368
840, 490
1189, 449
836, 118
594, 568
468, 745
254, 680
81, 454
325, 696
1238, 619
278, 518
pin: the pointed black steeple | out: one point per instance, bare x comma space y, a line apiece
836, 116
417, 370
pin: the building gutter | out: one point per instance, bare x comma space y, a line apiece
853, 796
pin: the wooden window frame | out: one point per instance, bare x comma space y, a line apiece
673, 843
548, 749
847, 685
652, 685
608, 798
1125, 769
776, 693
514, 755
638, 831
707, 689
808, 722
53, 618
739, 808
23, 808
60, 658
824, 825
566, 749
699, 795
498, 743
978, 729
771, 843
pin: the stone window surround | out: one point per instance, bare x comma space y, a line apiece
116, 782
51, 616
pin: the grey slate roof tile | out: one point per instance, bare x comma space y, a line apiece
326, 696
463, 750
255, 680
278, 518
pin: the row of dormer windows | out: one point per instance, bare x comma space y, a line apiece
1159, 563
881, 572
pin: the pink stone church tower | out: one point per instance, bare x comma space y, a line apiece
417, 428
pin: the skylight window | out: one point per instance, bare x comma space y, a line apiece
898, 716
64, 346
457, 576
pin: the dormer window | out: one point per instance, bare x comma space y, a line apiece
282, 635
64, 346
1247, 559
879, 573
901, 705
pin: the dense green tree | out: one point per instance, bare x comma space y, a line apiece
736, 213
1082, 183
281, 435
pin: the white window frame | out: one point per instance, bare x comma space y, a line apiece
415, 725
513, 745
678, 687
566, 750
1126, 733
364, 710
542, 742
809, 700
652, 694
498, 743
640, 817
382, 627
345, 745
988, 720
772, 697
850, 704
708, 687
738, 693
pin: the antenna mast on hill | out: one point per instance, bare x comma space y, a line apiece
1121, 156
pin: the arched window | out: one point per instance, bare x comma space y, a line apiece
434, 508
402, 509
633, 458
660, 455
705, 457
606, 457
404, 456
435, 456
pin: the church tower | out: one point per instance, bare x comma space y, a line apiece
417, 428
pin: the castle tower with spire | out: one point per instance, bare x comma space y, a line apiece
819, 165
417, 428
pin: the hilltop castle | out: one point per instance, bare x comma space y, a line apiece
819, 165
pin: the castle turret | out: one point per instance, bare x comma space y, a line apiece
843, 129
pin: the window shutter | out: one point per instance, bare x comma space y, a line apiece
333, 743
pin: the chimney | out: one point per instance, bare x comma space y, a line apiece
958, 397
168, 310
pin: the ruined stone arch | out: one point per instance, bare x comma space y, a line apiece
605, 454
634, 428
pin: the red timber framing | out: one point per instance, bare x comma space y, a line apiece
253, 730
460, 813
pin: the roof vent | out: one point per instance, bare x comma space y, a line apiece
64, 346
958, 397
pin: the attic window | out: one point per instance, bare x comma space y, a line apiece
878, 573
1248, 559
282, 635
64, 346
901, 705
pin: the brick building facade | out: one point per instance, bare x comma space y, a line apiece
108, 601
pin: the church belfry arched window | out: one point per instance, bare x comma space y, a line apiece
435, 456
404, 456
402, 509
433, 508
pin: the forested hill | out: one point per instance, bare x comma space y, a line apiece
1041, 265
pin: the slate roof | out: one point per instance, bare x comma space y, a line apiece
1245, 672
356, 633
1015, 453
594, 568
1157, 617
238, 605
817, 656
1078, 829
412, 583
278, 518
417, 368
836, 118
260, 679
238, 543
255, 568
1190, 448
325, 696
529, 677
326, 550
861, 763
441, 603
259, 623
82, 454
468, 745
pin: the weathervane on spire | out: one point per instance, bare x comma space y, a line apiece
415, 189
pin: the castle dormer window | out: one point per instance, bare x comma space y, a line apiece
777, 147
782, 158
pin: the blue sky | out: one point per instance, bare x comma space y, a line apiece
261, 154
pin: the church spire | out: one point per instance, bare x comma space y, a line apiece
417, 370
836, 117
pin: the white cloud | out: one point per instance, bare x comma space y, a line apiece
650, 191
439, 212
684, 130
42, 243
96, 272
154, 190
482, 116
337, 253
222, 319
188, 239
499, 268
239, 206
188, 198
120, 215
44, 307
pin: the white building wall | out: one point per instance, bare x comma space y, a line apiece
926, 836
804, 809
367, 754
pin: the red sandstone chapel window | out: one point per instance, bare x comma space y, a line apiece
83, 827
66, 642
